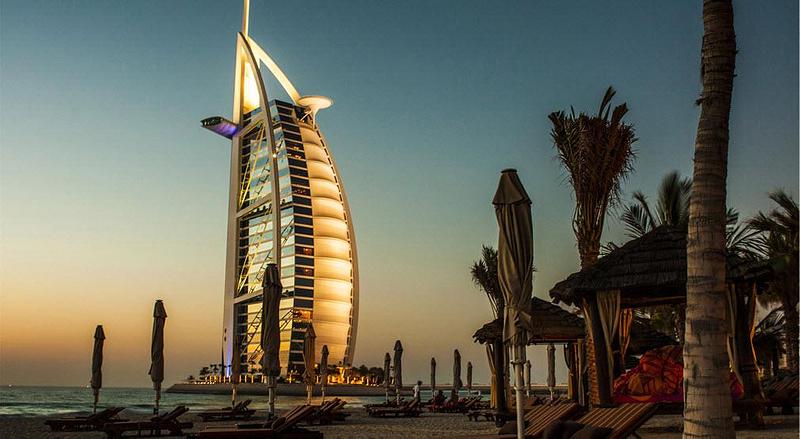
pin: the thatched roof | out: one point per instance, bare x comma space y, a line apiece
551, 323
769, 333
648, 270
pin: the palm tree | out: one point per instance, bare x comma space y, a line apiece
484, 275
597, 153
707, 397
780, 234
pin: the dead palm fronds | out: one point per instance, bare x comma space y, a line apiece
597, 153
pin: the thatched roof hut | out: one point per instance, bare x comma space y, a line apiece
649, 270
551, 324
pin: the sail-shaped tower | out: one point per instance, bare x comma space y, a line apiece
287, 206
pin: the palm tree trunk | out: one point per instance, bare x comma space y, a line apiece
707, 411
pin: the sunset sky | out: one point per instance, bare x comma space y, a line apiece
112, 195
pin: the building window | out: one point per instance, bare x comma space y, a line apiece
304, 282
300, 260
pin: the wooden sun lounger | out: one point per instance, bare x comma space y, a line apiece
329, 412
239, 411
460, 406
477, 410
623, 420
409, 410
783, 393
283, 427
539, 417
542, 415
389, 404
154, 427
85, 423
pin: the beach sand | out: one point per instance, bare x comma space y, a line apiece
427, 425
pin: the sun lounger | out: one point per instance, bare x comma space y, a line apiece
462, 405
478, 410
621, 421
409, 410
782, 393
475, 415
167, 422
539, 417
239, 411
329, 412
85, 423
387, 404
285, 426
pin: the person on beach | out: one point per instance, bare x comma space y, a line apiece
416, 390
438, 399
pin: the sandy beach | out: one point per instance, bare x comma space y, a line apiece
427, 425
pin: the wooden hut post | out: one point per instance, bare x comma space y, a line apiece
572, 363
748, 368
599, 375
580, 353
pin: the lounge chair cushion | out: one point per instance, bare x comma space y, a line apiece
589, 432
561, 430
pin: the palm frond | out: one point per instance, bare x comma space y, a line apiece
636, 220
484, 276
674, 193
607, 248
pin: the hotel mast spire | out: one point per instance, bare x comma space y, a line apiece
245, 16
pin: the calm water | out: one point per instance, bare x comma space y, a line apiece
38, 401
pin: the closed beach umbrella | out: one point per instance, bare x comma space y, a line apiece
323, 370
551, 369
433, 376
236, 365
97, 364
469, 377
270, 329
515, 270
387, 377
456, 375
309, 349
157, 350
528, 378
398, 368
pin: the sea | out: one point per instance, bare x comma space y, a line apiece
46, 401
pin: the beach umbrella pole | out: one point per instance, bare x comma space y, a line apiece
518, 363
271, 396
96, 398
233, 394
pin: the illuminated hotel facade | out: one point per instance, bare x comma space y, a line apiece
279, 157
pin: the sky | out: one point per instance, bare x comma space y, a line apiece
112, 195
